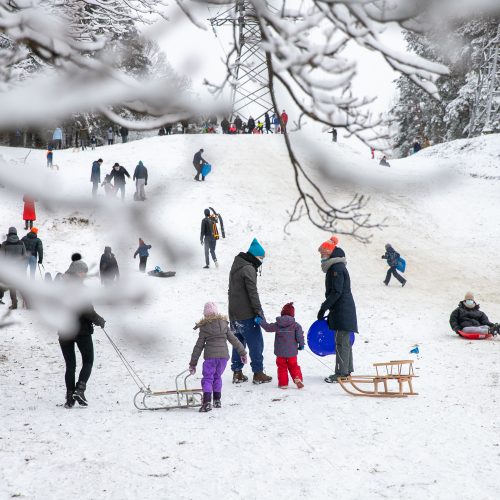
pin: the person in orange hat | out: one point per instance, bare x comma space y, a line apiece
34, 250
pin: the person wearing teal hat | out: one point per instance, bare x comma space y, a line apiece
244, 307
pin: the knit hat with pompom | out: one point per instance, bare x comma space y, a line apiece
210, 309
329, 245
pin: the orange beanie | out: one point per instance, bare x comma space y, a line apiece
34, 230
329, 245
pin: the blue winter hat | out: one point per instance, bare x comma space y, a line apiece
256, 249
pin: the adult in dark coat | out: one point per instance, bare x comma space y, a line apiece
267, 123
124, 134
392, 258
384, 162
13, 252
468, 314
340, 303
239, 124
251, 125
207, 238
95, 176
118, 175
108, 267
244, 307
34, 250
198, 162
81, 336
225, 125
141, 180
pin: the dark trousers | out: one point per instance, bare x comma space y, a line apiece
392, 271
343, 353
95, 186
142, 263
198, 171
121, 188
110, 142
210, 244
248, 333
86, 348
28, 224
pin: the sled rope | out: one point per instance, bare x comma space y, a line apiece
318, 360
135, 377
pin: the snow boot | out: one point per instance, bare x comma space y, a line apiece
70, 402
206, 267
299, 383
216, 264
217, 403
331, 379
261, 378
79, 394
206, 405
13, 306
238, 377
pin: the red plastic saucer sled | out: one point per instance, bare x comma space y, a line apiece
474, 335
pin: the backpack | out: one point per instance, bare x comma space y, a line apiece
215, 229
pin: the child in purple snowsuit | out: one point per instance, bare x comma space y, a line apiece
213, 338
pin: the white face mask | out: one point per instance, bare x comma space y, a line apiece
470, 303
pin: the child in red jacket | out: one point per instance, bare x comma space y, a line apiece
289, 339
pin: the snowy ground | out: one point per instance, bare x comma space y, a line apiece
265, 442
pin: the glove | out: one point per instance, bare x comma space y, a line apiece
300, 347
321, 314
192, 370
257, 320
244, 359
201, 242
101, 322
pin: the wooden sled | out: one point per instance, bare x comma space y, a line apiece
180, 397
393, 373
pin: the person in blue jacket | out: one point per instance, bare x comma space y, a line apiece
95, 176
143, 252
392, 258
339, 302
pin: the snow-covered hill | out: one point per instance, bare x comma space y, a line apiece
442, 210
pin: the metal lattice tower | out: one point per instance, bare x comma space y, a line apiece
250, 93
485, 116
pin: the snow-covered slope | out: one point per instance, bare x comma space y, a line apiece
442, 215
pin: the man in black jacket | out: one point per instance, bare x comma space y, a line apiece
342, 310
198, 162
244, 308
34, 250
108, 267
468, 314
208, 239
13, 252
392, 258
141, 180
118, 174
82, 337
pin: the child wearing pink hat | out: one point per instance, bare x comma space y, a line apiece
213, 337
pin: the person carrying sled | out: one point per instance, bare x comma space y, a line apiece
213, 337
207, 237
143, 252
108, 267
95, 176
34, 250
468, 318
81, 336
198, 162
118, 174
339, 302
288, 341
392, 258
384, 162
29, 212
244, 307
141, 180
13, 254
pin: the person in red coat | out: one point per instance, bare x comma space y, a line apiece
284, 121
29, 215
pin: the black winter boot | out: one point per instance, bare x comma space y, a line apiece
217, 397
70, 402
206, 405
79, 394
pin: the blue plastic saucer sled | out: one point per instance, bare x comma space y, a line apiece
206, 169
321, 340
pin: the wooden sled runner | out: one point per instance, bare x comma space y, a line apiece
146, 399
393, 373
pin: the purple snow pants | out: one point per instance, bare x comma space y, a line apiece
213, 368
